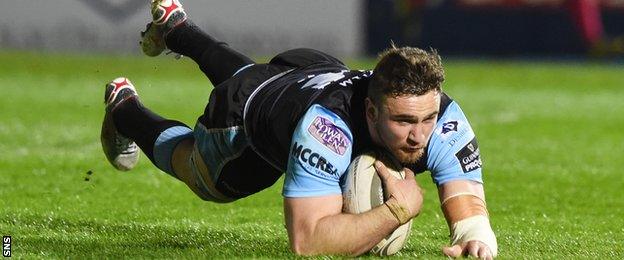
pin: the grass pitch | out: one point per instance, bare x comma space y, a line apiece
550, 135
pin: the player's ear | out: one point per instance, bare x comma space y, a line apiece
371, 110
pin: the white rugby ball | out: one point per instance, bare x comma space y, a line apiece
363, 191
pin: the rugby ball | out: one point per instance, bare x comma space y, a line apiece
363, 191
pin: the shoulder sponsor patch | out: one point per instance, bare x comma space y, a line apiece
449, 126
312, 160
329, 135
469, 156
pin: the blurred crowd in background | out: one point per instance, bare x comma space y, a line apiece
500, 27
347, 28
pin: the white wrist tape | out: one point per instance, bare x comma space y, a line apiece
474, 228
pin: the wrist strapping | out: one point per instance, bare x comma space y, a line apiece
462, 194
474, 228
401, 213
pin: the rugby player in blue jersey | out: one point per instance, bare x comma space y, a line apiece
306, 114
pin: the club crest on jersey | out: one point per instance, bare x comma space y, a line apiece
329, 135
450, 126
469, 156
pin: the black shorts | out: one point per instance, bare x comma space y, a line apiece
225, 163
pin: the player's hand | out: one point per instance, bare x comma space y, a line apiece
471, 248
405, 192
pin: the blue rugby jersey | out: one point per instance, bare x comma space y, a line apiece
311, 122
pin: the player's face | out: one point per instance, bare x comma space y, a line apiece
403, 124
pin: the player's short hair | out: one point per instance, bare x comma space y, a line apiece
405, 71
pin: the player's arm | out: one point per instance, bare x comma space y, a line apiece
316, 225
319, 156
455, 163
464, 207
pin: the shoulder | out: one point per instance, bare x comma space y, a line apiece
345, 96
326, 128
453, 149
320, 154
452, 126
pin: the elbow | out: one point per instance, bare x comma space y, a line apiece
302, 240
300, 251
300, 248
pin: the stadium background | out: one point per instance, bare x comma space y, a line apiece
345, 28
543, 94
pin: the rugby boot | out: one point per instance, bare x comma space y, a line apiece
166, 14
121, 152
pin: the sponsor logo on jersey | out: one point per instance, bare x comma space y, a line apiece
456, 137
322, 80
450, 126
329, 135
469, 156
348, 81
312, 160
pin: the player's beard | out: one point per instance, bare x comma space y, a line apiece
403, 155
408, 157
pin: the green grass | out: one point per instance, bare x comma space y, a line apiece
551, 136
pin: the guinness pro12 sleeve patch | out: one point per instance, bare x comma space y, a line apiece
469, 156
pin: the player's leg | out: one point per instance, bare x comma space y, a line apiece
225, 168
217, 164
127, 123
120, 151
246, 175
223, 165
215, 159
182, 165
215, 58
172, 146
171, 29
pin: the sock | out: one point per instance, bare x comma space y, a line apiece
155, 135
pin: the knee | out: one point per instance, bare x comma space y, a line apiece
171, 148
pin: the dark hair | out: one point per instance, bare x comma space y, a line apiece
405, 71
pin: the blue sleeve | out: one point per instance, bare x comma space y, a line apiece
453, 150
320, 154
